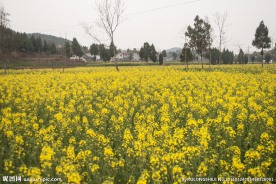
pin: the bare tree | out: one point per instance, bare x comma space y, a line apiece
182, 32
220, 20
110, 16
210, 38
4, 22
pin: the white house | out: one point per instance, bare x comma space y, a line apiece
123, 56
88, 55
119, 56
98, 57
74, 57
135, 57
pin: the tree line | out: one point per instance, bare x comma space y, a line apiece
200, 38
15, 41
148, 52
95, 49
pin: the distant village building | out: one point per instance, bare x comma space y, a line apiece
74, 57
118, 57
98, 57
88, 56
135, 57
125, 56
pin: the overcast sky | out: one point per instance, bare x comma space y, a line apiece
161, 27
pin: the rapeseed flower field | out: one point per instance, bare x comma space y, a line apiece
155, 124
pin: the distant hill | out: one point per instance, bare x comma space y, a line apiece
174, 49
170, 51
50, 38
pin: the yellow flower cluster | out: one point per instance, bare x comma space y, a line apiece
154, 124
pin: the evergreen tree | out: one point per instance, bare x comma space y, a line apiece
252, 58
153, 53
164, 53
241, 57
67, 49
18, 42
215, 55
39, 44
24, 40
76, 48
245, 59
267, 58
84, 49
142, 53
262, 41
28, 45
112, 49
189, 55
94, 49
34, 43
45, 46
9, 43
146, 52
224, 57
104, 53
160, 59
53, 48
227, 57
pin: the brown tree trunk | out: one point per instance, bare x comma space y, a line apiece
210, 57
201, 59
262, 52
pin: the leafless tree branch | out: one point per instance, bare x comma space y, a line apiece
110, 16
93, 33
210, 39
4, 21
220, 20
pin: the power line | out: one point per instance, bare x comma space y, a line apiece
131, 14
160, 8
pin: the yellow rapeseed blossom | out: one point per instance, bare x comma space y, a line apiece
46, 157
144, 124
